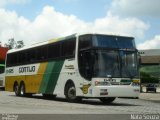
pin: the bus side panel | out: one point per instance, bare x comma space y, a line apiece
33, 82
10, 80
50, 77
2, 82
69, 72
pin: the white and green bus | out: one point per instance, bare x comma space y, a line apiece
77, 66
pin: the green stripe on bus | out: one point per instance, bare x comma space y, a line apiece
2, 65
51, 76
54, 76
46, 76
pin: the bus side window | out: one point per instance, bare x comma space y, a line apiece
84, 42
13, 59
42, 53
31, 55
54, 51
68, 48
22, 57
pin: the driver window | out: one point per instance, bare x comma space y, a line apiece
85, 65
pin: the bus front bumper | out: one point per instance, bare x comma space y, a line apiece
115, 91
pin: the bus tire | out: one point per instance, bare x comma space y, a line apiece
70, 93
22, 90
16, 89
107, 100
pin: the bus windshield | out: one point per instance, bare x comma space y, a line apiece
106, 64
129, 64
115, 64
108, 56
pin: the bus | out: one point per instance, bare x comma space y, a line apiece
3, 51
77, 66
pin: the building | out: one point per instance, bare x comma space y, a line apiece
150, 57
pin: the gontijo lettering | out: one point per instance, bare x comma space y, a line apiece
27, 69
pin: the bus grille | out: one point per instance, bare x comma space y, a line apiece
120, 83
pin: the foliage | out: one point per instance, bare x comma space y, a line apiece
14, 44
147, 78
152, 70
20, 44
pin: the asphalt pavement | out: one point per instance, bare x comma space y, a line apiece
38, 108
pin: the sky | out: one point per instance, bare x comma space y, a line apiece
39, 20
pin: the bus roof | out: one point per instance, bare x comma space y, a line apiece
59, 39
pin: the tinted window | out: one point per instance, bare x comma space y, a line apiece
104, 41
58, 50
42, 53
106, 64
86, 64
113, 42
68, 48
12, 59
54, 50
31, 55
126, 42
22, 57
85, 42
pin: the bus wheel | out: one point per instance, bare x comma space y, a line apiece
16, 89
22, 90
107, 100
70, 93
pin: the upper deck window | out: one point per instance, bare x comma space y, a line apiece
85, 42
113, 42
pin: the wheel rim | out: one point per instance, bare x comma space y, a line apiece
22, 90
72, 93
16, 89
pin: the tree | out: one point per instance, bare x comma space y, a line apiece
11, 43
14, 44
20, 44
147, 78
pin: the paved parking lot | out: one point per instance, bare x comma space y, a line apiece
150, 96
9, 103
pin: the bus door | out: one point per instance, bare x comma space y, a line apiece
86, 70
